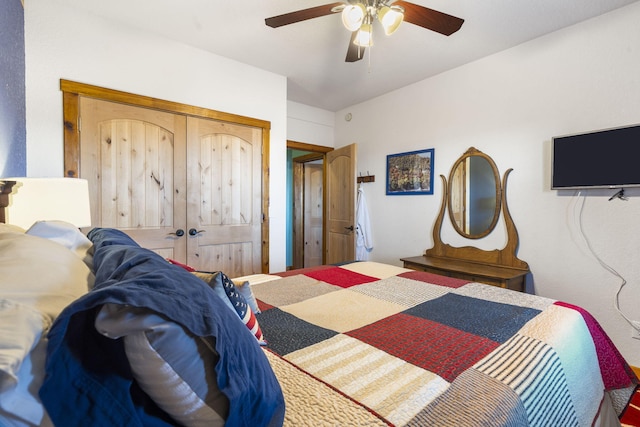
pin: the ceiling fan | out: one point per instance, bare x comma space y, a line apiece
358, 17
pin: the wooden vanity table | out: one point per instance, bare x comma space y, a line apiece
474, 198
503, 277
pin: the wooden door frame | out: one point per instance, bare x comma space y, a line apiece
318, 152
72, 91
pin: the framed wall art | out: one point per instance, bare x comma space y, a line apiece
410, 173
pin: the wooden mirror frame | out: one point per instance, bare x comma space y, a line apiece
473, 152
505, 257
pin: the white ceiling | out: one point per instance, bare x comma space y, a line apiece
311, 53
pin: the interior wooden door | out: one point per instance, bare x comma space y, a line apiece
313, 216
224, 197
298, 215
341, 205
134, 159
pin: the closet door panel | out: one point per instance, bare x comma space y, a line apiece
134, 160
224, 182
137, 179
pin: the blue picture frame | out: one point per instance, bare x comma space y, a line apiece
410, 173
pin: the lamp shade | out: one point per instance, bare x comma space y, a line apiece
46, 199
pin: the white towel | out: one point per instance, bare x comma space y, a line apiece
364, 240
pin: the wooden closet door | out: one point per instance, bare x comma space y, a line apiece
224, 197
134, 159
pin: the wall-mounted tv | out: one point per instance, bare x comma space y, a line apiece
602, 159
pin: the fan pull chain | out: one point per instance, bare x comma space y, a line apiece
369, 61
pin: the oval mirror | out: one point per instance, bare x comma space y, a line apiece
474, 194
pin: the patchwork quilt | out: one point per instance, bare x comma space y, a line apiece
373, 344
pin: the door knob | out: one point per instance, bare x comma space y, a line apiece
179, 232
194, 232
350, 228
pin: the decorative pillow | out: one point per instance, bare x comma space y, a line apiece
244, 288
228, 292
242, 285
240, 305
175, 368
209, 279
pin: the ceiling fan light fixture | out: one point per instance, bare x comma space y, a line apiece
390, 18
364, 38
353, 16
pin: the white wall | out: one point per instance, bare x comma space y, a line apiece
510, 105
66, 43
310, 125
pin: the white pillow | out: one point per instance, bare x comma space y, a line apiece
67, 234
40, 273
38, 279
10, 228
175, 368
20, 329
20, 406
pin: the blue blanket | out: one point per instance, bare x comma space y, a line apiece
88, 379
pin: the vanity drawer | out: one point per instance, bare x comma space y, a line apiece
502, 277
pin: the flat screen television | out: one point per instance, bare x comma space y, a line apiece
602, 159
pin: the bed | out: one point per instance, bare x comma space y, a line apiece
98, 331
402, 347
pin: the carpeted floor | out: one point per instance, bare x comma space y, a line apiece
631, 415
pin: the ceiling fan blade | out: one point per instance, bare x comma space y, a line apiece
430, 19
354, 52
301, 15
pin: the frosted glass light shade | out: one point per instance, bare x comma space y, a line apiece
364, 37
42, 199
353, 16
390, 18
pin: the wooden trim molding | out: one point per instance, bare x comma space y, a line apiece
71, 114
157, 104
636, 370
302, 146
266, 172
317, 152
